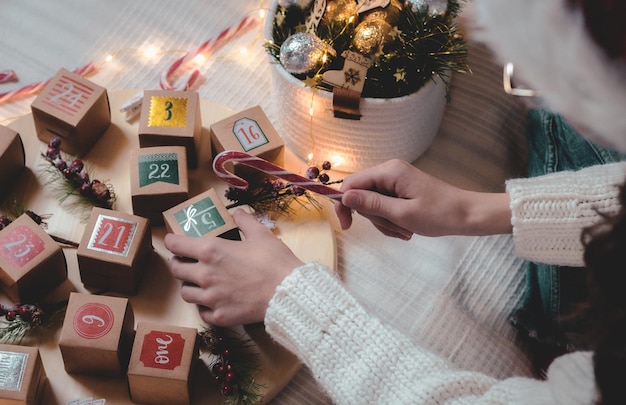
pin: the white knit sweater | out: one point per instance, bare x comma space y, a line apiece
359, 360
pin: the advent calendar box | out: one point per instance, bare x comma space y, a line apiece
158, 180
31, 263
162, 363
202, 215
171, 118
97, 334
22, 375
252, 132
74, 109
114, 250
12, 157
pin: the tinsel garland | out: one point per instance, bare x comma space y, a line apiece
423, 45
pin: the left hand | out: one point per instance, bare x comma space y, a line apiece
231, 281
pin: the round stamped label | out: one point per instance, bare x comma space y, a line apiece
93, 320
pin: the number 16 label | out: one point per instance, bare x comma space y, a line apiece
249, 134
112, 235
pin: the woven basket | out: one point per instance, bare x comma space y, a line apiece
402, 127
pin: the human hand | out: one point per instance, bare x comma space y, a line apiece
400, 200
231, 281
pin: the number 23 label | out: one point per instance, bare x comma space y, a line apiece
21, 246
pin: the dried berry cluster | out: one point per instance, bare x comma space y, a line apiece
77, 178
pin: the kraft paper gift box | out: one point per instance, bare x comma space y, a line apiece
22, 375
12, 157
114, 250
31, 263
202, 215
171, 118
162, 363
252, 132
97, 334
74, 109
158, 180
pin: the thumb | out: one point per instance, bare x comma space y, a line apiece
249, 225
368, 202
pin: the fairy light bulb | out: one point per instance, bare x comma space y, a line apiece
243, 51
199, 59
150, 52
108, 58
337, 160
310, 156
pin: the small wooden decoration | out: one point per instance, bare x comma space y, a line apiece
31, 263
74, 109
158, 180
162, 363
97, 334
114, 250
203, 215
171, 118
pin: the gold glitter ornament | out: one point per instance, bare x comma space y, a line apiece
370, 35
303, 52
340, 11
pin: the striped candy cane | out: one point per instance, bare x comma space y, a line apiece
266, 167
38, 86
206, 48
7, 76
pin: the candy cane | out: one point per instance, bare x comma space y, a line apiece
7, 76
205, 48
266, 167
38, 86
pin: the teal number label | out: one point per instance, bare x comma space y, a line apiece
199, 218
158, 167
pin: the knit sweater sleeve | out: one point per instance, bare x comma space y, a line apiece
357, 359
549, 212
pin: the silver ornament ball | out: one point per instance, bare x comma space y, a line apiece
433, 7
302, 52
303, 4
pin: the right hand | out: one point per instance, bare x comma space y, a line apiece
401, 200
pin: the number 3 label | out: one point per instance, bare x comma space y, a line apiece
112, 235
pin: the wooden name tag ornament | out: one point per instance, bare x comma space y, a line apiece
114, 250
12, 157
74, 109
203, 215
171, 118
22, 375
159, 180
97, 334
162, 363
31, 263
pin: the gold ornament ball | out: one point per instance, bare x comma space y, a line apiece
340, 11
390, 14
370, 35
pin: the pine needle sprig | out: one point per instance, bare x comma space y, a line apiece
234, 364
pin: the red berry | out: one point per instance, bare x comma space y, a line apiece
227, 390
10, 316
229, 377
61, 164
85, 189
52, 153
326, 165
324, 178
68, 173
312, 172
55, 142
83, 177
77, 165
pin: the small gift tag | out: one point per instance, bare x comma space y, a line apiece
367, 5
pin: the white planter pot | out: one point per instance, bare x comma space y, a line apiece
402, 127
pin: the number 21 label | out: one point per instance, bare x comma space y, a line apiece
112, 235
